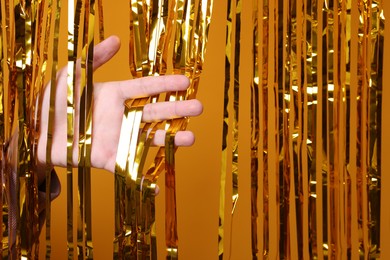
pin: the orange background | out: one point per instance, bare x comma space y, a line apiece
198, 167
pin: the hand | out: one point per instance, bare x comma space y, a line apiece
108, 108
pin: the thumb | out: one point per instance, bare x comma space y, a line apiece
105, 50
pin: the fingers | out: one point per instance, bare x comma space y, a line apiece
105, 50
169, 110
182, 138
146, 86
102, 53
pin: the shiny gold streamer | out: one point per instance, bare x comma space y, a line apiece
39, 64
101, 19
26, 184
3, 211
4, 206
9, 118
74, 13
4, 136
84, 229
55, 11
231, 116
255, 128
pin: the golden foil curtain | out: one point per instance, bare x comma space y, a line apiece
316, 129
30, 46
316, 125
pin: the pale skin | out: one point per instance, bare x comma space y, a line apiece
109, 98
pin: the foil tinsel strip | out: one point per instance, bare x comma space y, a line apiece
101, 19
268, 20
255, 128
54, 10
9, 92
74, 13
235, 59
4, 98
22, 166
231, 117
351, 81
5, 126
376, 132
264, 39
84, 228
3, 204
26, 182
134, 182
171, 233
143, 191
123, 226
42, 25
181, 59
307, 82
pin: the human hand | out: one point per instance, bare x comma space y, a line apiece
108, 108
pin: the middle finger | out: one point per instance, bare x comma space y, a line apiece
169, 110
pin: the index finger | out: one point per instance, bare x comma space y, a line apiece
147, 86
